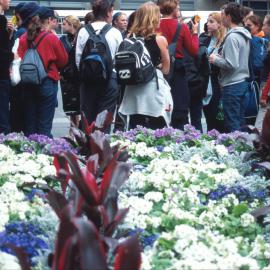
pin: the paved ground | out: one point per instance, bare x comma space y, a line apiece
61, 121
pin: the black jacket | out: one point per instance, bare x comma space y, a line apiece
6, 56
197, 71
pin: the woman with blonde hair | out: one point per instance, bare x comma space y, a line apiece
70, 84
216, 35
150, 104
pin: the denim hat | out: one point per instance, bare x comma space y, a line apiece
18, 8
45, 13
28, 11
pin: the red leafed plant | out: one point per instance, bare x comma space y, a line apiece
88, 208
80, 137
90, 217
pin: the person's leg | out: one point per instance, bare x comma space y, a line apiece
89, 101
196, 112
30, 104
108, 99
181, 97
4, 106
46, 106
233, 105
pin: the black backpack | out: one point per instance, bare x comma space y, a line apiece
133, 62
96, 62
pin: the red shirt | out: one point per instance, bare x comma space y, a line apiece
186, 39
51, 52
266, 89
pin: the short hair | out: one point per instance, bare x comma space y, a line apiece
235, 11
89, 18
246, 11
101, 8
257, 20
167, 7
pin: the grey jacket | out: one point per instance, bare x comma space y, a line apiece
233, 61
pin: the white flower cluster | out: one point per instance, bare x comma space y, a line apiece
168, 195
24, 167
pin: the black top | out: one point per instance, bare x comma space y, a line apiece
154, 51
6, 56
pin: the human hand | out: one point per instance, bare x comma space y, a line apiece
16, 56
263, 103
10, 29
212, 58
195, 27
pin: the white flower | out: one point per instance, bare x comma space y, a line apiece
221, 150
247, 220
8, 261
153, 196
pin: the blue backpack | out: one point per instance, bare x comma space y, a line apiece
258, 52
32, 70
96, 63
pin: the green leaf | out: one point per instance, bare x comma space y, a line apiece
240, 209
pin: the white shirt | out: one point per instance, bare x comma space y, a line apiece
113, 38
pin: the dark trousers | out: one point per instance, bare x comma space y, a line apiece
211, 110
233, 105
16, 108
96, 98
39, 107
146, 121
196, 112
4, 106
180, 95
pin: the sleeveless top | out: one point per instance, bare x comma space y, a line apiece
153, 49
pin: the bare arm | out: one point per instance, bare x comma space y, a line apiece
165, 58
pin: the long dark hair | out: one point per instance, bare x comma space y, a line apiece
34, 28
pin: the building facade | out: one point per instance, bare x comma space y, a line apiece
262, 6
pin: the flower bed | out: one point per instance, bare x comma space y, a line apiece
27, 221
191, 197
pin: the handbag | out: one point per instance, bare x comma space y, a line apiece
251, 100
15, 76
209, 93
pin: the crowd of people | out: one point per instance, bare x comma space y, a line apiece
196, 73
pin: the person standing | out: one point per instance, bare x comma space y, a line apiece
97, 98
149, 104
70, 77
216, 34
120, 22
233, 62
187, 40
40, 101
6, 57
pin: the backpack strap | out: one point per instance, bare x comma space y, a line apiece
36, 44
89, 28
177, 32
105, 29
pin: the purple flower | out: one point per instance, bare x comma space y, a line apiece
40, 139
213, 133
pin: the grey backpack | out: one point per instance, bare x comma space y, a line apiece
32, 70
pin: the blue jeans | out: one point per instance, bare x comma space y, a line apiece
233, 105
5, 87
40, 103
